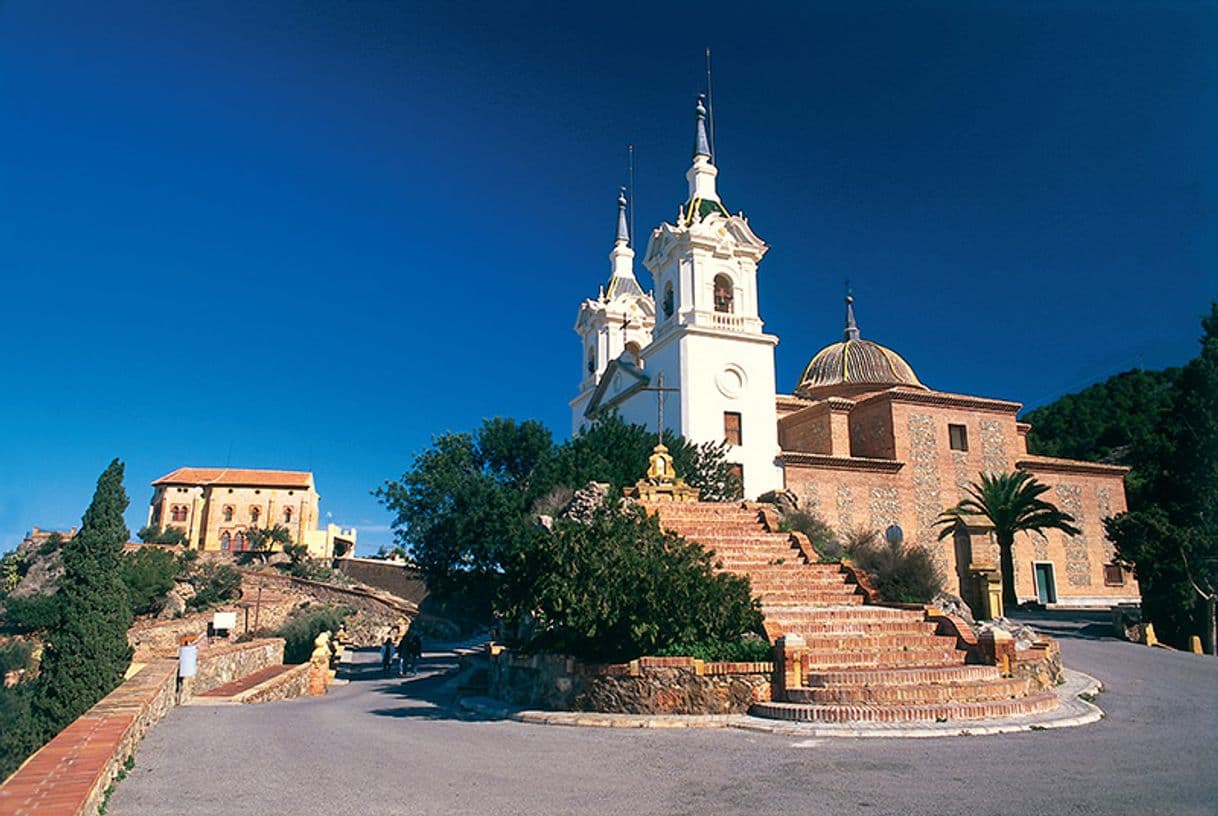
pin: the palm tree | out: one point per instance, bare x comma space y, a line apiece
1011, 503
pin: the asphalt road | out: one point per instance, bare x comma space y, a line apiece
381, 746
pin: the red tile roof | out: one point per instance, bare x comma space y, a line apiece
238, 476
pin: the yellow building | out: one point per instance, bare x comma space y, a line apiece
215, 507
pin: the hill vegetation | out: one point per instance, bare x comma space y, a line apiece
1164, 425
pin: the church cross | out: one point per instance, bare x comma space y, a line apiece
660, 392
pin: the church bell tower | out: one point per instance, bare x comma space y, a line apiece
708, 338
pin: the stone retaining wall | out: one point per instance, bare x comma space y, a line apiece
649, 685
394, 577
70, 774
223, 662
291, 684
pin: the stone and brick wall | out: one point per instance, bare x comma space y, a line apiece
69, 775
649, 685
902, 469
224, 662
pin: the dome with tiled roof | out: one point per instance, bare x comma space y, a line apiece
855, 364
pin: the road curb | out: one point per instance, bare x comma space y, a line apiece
1073, 711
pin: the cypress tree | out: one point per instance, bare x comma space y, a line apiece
87, 654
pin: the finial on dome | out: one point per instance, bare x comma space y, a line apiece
852, 329
623, 229
701, 143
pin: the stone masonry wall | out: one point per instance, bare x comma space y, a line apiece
927, 475
649, 685
220, 664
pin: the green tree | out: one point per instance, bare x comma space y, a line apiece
614, 451
148, 573
214, 584
619, 587
31, 613
169, 535
1173, 541
19, 733
1011, 503
1118, 421
463, 504
264, 540
86, 653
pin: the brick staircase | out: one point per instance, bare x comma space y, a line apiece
861, 662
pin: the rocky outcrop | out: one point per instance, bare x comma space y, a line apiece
586, 501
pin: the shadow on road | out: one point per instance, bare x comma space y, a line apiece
1069, 624
430, 694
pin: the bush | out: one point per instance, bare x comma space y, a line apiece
31, 613
900, 573
15, 654
826, 543
619, 587
148, 574
300, 630
214, 584
54, 542
748, 649
20, 734
169, 535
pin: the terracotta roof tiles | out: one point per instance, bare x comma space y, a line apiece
238, 476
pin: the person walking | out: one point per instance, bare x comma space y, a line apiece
386, 655
416, 653
403, 653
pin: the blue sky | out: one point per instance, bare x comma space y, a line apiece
312, 235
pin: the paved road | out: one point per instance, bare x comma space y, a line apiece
383, 746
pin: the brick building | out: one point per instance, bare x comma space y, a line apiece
862, 442
865, 445
215, 507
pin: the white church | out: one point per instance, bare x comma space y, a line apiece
859, 440
703, 338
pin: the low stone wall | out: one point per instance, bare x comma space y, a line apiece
649, 685
291, 684
1041, 663
223, 662
70, 774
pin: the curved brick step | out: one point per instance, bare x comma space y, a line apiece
828, 600
909, 676
933, 712
818, 614
877, 642
829, 659
847, 627
907, 694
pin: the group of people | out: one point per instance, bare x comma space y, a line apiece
400, 656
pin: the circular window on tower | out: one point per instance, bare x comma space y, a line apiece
731, 381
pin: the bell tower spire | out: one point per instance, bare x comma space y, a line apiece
621, 257
701, 175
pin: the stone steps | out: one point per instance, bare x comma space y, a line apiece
931, 712
828, 659
917, 694
862, 663
928, 675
